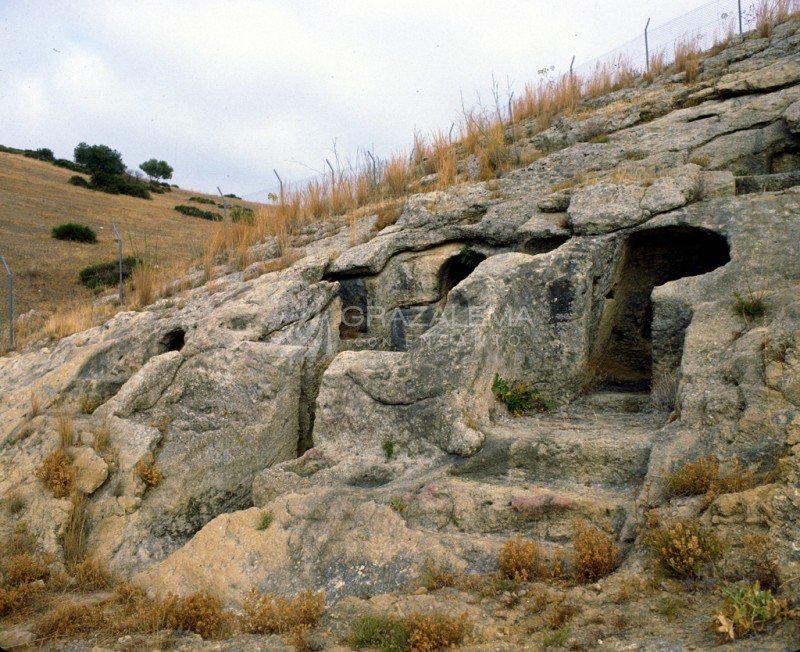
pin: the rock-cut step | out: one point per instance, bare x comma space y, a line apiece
546, 512
619, 401
576, 445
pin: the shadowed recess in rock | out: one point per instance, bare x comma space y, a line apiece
172, 341
622, 352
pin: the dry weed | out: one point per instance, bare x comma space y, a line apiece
595, 553
270, 614
57, 473
431, 632
684, 547
24, 569
148, 471
66, 429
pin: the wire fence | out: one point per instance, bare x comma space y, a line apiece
713, 22
709, 23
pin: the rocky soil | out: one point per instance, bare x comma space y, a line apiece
642, 275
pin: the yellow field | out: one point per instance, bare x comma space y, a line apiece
35, 197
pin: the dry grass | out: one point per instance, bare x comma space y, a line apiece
658, 64
595, 553
684, 547
35, 197
14, 599
101, 435
270, 614
34, 404
66, 429
388, 214
14, 503
687, 58
435, 576
75, 530
57, 473
68, 619
703, 476
90, 575
148, 472
200, 613
24, 569
769, 13
521, 560
431, 632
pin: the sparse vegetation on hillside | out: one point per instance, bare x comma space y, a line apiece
107, 274
74, 232
193, 211
108, 171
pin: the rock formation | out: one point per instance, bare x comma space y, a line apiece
648, 285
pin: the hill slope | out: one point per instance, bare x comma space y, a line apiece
35, 196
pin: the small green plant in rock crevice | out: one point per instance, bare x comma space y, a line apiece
520, 397
388, 449
265, 520
750, 305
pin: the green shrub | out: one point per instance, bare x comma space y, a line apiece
748, 610
107, 274
69, 165
384, 633
81, 182
74, 232
230, 195
42, 154
122, 185
242, 214
387, 446
193, 211
519, 397
201, 200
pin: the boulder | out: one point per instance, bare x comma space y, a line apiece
605, 207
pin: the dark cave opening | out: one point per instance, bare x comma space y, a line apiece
172, 341
622, 356
457, 268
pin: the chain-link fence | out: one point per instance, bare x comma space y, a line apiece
714, 22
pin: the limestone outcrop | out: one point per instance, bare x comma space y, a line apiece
646, 285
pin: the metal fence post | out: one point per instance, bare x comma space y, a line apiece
280, 181
647, 46
571, 63
740, 17
119, 255
10, 303
224, 208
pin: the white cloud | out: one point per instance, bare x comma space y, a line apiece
225, 91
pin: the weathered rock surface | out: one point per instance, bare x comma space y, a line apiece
376, 445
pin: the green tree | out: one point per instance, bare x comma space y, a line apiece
157, 169
103, 163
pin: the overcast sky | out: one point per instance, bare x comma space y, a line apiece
226, 91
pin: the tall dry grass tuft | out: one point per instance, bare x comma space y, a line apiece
396, 175
658, 63
66, 429
687, 57
75, 530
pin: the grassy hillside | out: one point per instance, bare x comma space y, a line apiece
35, 197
